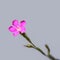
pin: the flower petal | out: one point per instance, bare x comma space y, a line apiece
11, 29
23, 23
23, 30
15, 33
15, 22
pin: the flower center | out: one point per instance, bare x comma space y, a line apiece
18, 29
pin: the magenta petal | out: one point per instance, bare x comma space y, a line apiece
23, 30
23, 23
15, 22
15, 33
12, 29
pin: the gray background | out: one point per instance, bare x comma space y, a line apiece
43, 27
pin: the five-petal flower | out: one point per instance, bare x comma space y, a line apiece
17, 27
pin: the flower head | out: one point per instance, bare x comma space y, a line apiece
17, 27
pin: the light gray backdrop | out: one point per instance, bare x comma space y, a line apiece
43, 27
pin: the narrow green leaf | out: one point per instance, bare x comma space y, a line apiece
48, 49
29, 46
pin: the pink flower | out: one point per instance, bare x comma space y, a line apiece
17, 27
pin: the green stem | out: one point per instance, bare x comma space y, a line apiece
28, 39
37, 48
51, 57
